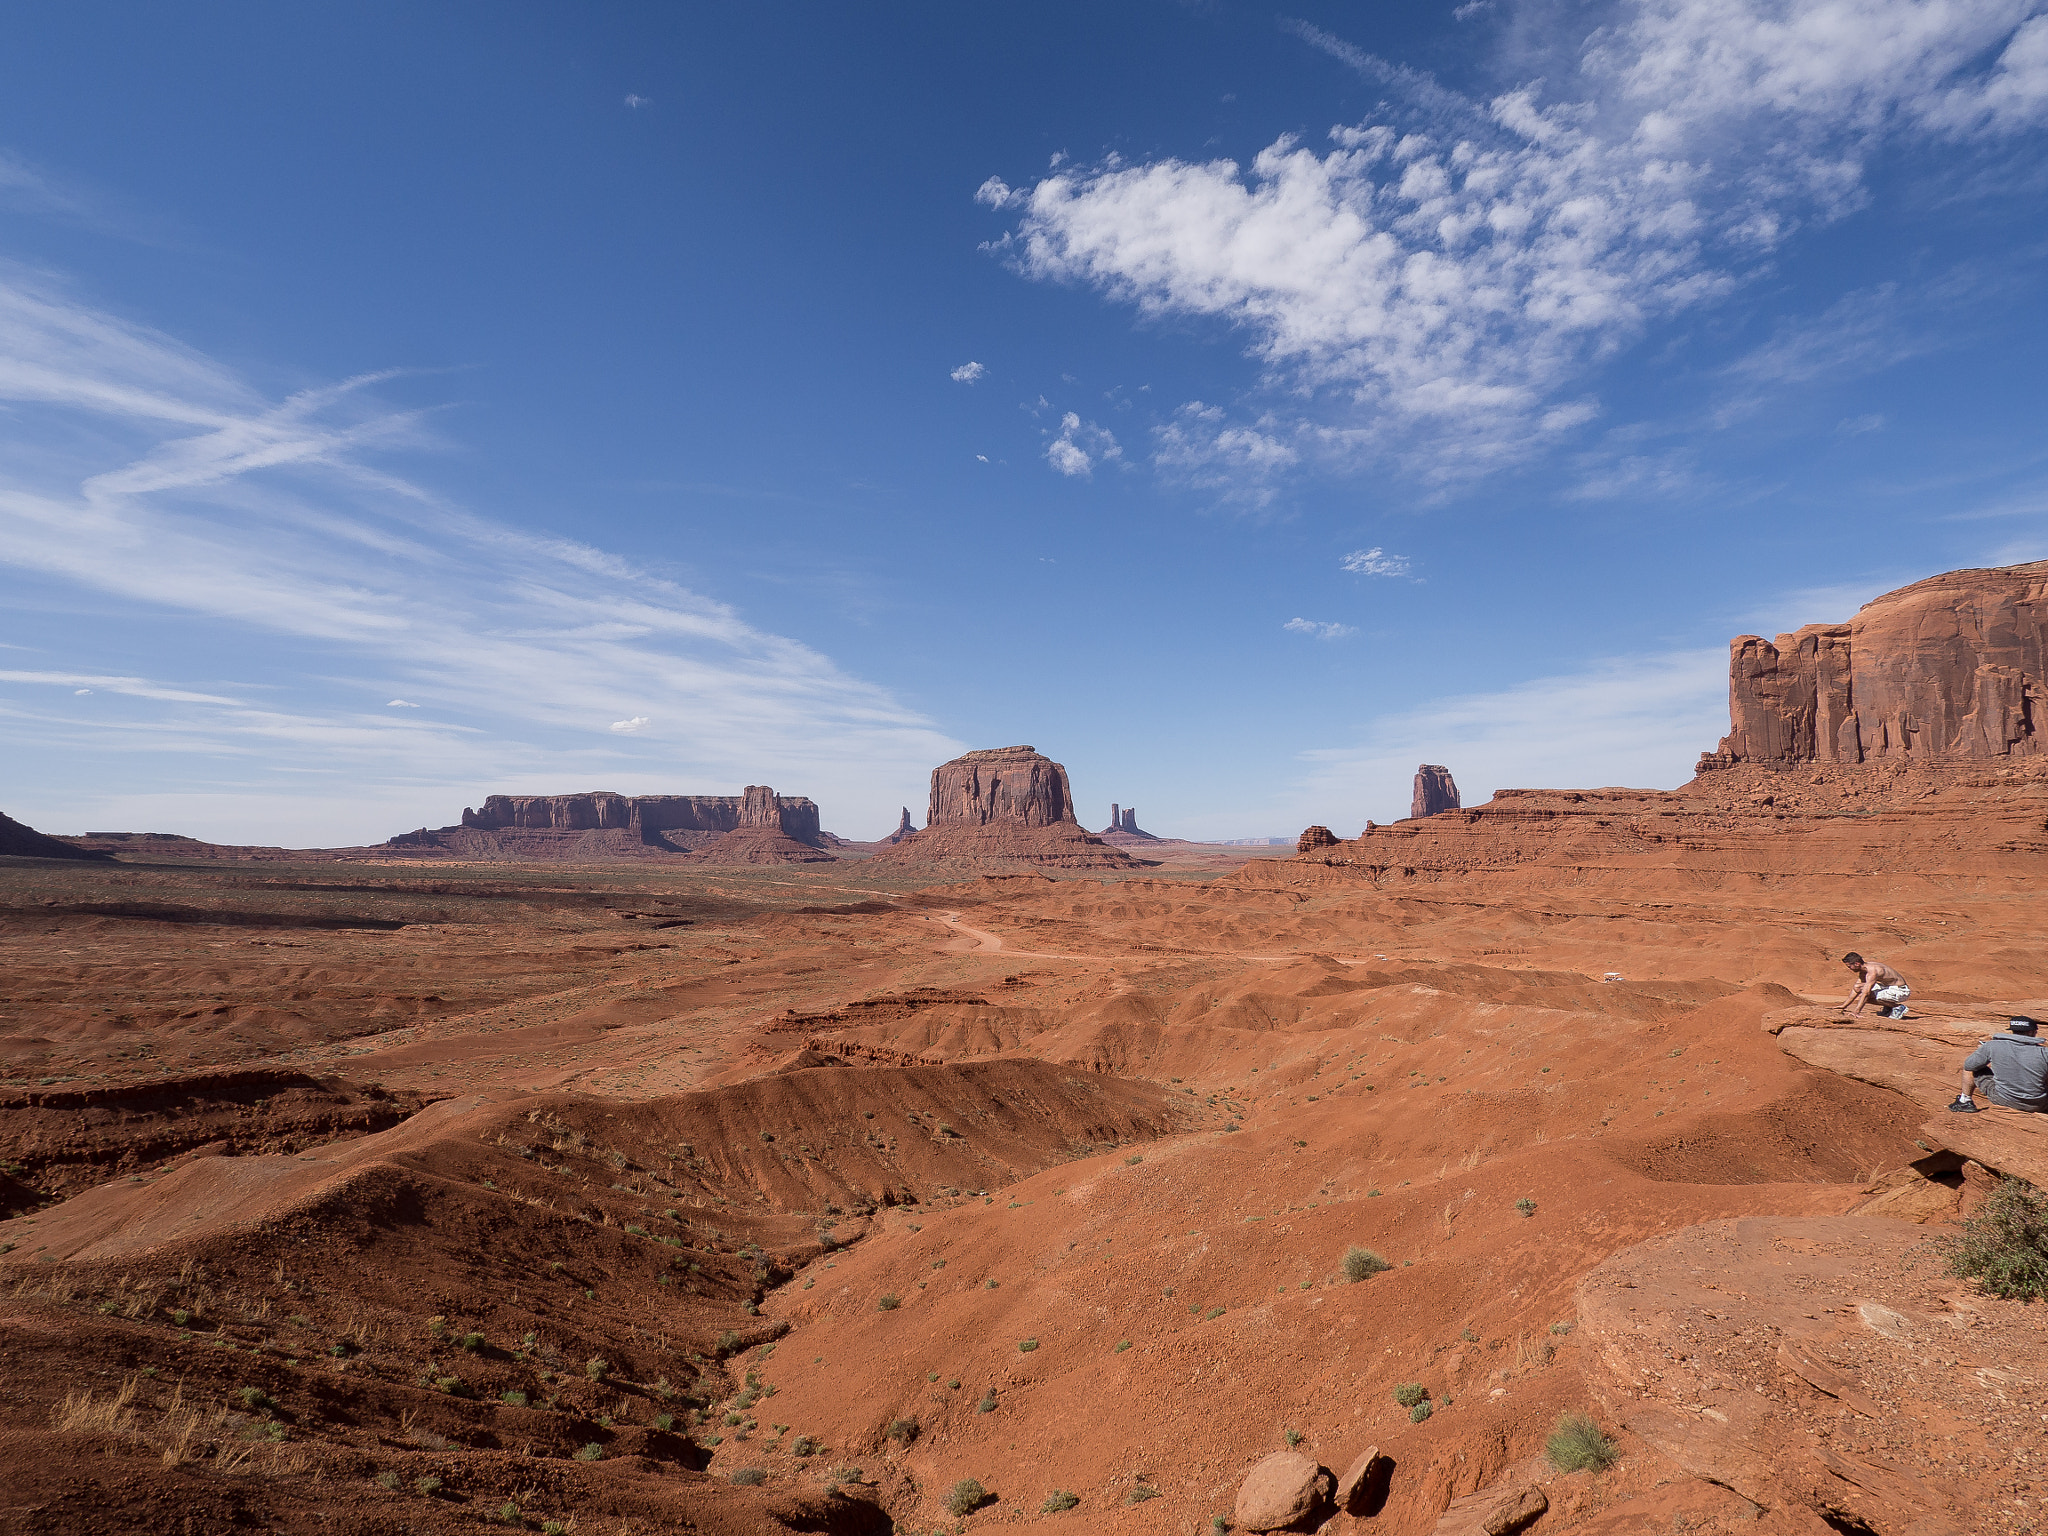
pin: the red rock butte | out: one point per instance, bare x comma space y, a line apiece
1007, 805
757, 826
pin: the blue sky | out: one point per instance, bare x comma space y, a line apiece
404, 403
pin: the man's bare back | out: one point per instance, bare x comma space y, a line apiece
1870, 976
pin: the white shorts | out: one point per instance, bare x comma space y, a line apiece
1897, 994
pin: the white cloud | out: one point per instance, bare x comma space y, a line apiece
1197, 447
1375, 562
1080, 446
1321, 631
637, 102
969, 373
400, 704
633, 726
1439, 278
80, 692
135, 469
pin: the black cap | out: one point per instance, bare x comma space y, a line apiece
2020, 1024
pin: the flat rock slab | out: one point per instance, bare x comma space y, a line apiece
1821, 1367
1501, 1510
2009, 1140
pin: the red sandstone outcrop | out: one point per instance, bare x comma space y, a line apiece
755, 827
1006, 803
903, 829
1123, 822
1435, 790
1950, 668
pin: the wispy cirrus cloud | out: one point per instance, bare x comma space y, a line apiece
1080, 446
1442, 283
134, 467
1319, 629
1375, 562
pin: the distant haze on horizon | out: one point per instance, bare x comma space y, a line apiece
402, 404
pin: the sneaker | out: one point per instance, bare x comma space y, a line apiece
1964, 1106
1896, 1011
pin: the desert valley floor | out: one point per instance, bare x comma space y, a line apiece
389, 1196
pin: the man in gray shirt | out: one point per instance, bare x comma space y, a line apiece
2009, 1069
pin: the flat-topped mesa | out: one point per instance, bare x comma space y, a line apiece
1018, 785
1008, 804
1948, 669
1435, 791
648, 815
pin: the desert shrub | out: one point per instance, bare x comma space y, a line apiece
597, 1369
987, 1403
388, 1480
255, 1399
591, 1452
966, 1497
1419, 1412
473, 1342
341, 1349
509, 1513
181, 1317
452, 1385
1362, 1264
728, 1341
750, 1477
1561, 1329
427, 1486
438, 1327
1025, 1346
2004, 1243
1293, 1437
1578, 1445
903, 1431
1134, 1159
1212, 1314
513, 1399
806, 1445
1140, 1494
888, 1301
1056, 1501
1218, 1524
1121, 1346
1409, 1393
1526, 1206
635, 1229
553, 1528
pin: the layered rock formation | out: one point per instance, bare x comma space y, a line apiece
1947, 669
903, 829
755, 827
1123, 822
1435, 791
1007, 804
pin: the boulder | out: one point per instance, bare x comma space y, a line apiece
1435, 790
1951, 668
1365, 1476
1281, 1491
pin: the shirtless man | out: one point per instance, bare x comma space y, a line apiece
1877, 983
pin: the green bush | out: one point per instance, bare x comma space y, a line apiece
966, 1497
426, 1486
2004, 1243
750, 1477
903, 1431
806, 1445
1362, 1264
1419, 1412
1058, 1500
1140, 1494
1025, 1346
1526, 1206
1121, 1346
1409, 1393
591, 1452
513, 1399
1578, 1445
889, 1301
509, 1513
987, 1403
597, 1369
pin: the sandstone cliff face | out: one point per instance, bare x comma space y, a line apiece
794, 815
1435, 790
1016, 785
1006, 805
1951, 668
25, 842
